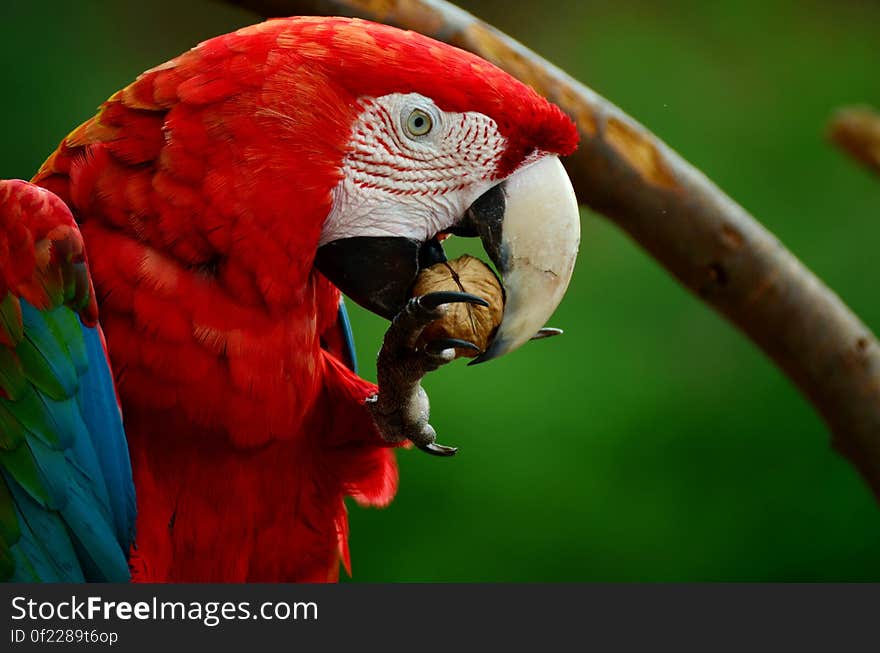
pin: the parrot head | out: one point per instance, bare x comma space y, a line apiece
441, 142
388, 141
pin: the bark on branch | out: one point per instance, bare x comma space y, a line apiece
700, 235
856, 131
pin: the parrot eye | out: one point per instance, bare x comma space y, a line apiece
419, 123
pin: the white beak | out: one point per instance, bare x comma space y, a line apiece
535, 254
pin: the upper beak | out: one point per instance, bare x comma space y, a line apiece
529, 226
534, 247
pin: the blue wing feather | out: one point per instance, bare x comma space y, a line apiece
347, 336
39, 335
85, 529
44, 542
100, 411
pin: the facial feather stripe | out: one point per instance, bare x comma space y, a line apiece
395, 183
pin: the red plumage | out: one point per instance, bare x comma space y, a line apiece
201, 190
42, 256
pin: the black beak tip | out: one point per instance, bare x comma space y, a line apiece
494, 351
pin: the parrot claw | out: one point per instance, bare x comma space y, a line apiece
438, 449
401, 409
433, 300
437, 347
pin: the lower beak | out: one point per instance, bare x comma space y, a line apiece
529, 226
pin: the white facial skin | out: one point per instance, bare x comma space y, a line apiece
412, 170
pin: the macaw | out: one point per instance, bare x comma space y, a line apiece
210, 214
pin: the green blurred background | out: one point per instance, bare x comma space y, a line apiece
652, 442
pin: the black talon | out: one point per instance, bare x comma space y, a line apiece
442, 344
434, 299
547, 332
437, 449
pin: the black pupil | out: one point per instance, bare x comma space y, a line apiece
419, 122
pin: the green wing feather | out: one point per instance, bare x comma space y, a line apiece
65, 528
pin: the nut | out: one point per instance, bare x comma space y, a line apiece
476, 324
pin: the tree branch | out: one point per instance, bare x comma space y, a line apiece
706, 240
856, 131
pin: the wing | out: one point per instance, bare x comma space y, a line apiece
66, 495
339, 340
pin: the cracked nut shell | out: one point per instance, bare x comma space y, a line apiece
476, 324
